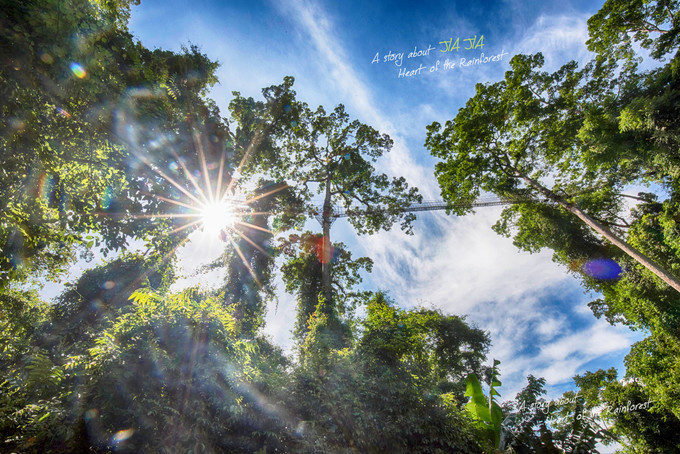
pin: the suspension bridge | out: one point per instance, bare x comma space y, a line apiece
431, 205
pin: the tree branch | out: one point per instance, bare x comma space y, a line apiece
670, 15
633, 197
539, 98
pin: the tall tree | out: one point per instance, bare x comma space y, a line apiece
326, 154
514, 133
337, 157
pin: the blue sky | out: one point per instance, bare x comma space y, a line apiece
534, 311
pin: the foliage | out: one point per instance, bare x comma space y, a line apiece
620, 23
85, 111
207, 389
201, 381
33, 382
633, 418
485, 411
526, 427
392, 391
97, 298
443, 350
302, 275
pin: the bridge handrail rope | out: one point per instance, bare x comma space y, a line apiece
433, 205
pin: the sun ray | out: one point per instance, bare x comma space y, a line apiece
245, 262
176, 202
251, 242
190, 177
152, 216
186, 226
246, 155
135, 284
218, 189
268, 193
260, 213
206, 176
256, 227
169, 179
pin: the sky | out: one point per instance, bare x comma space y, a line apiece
348, 52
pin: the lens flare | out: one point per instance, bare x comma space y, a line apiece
63, 112
78, 70
122, 435
45, 187
91, 414
604, 269
324, 250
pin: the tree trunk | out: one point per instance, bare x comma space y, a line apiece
605, 232
326, 245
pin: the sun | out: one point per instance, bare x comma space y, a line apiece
217, 216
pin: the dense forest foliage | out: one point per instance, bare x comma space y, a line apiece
105, 143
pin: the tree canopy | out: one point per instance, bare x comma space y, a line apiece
104, 142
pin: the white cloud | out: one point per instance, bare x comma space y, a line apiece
458, 262
344, 77
564, 357
559, 38
550, 327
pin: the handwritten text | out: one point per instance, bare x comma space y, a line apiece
447, 64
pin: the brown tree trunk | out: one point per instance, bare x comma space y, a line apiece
605, 232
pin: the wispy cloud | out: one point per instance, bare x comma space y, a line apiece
458, 262
559, 38
344, 78
355, 92
531, 340
562, 359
